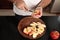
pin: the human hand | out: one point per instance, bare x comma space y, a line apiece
37, 14
21, 5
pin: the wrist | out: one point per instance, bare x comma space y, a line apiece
18, 1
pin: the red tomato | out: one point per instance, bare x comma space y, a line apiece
54, 34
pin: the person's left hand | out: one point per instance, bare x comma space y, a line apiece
37, 14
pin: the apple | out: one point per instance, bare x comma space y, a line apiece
54, 35
37, 14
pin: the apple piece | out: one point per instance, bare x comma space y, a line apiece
31, 33
25, 31
29, 29
37, 14
43, 25
36, 11
33, 24
40, 30
35, 35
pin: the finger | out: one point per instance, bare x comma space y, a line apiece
19, 7
33, 16
23, 8
36, 16
26, 7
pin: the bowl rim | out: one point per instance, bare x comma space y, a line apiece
24, 35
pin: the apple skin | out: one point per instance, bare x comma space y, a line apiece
54, 35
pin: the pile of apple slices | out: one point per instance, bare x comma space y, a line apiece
34, 29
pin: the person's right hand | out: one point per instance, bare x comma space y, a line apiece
21, 5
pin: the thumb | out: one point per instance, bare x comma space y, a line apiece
26, 7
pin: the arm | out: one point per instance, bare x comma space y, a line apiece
20, 4
44, 3
15, 1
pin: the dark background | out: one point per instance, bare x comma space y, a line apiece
5, 4
9, 30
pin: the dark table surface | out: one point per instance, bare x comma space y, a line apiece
9, 30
